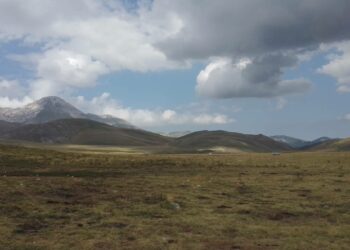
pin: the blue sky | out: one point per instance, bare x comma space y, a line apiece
165, 67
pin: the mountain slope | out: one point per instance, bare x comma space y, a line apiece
211, 139
84, 132
330, 145
53, 108
7, 126
342, 145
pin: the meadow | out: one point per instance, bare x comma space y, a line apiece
55, 200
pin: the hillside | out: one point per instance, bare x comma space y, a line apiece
332, 145
88, 132
85, 132
7, 126
343, 145
212, 139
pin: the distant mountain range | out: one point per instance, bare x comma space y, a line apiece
54, 108
53, 120
302, 144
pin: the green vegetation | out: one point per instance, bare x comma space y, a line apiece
65, 200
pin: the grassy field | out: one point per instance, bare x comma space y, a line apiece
65, 200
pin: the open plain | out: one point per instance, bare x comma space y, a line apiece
53, 199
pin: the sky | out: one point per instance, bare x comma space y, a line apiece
272, 67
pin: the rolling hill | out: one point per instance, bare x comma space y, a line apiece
243, 142
84, 132
88, 132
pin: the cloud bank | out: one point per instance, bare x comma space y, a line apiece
105, 105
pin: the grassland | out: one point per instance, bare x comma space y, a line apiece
71, 200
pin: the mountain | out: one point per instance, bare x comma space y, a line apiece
300, 144
177, 134
213, 139
53, 108
83, 132
293, 142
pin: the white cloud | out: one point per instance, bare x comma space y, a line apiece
105, 105
347, 117
69, 68
224, 79
12, 94
84, 40
281, 103
339, 67
212, 119
120, 43
7, 102
169, 115
10, 88
58, 71
20, 19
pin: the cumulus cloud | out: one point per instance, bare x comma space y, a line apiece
250, 27
105, 105
225, 79
339, 67
70, 68
257, 30
84, 40
256, 41
59, 70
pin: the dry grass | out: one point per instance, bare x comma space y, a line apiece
56, 200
